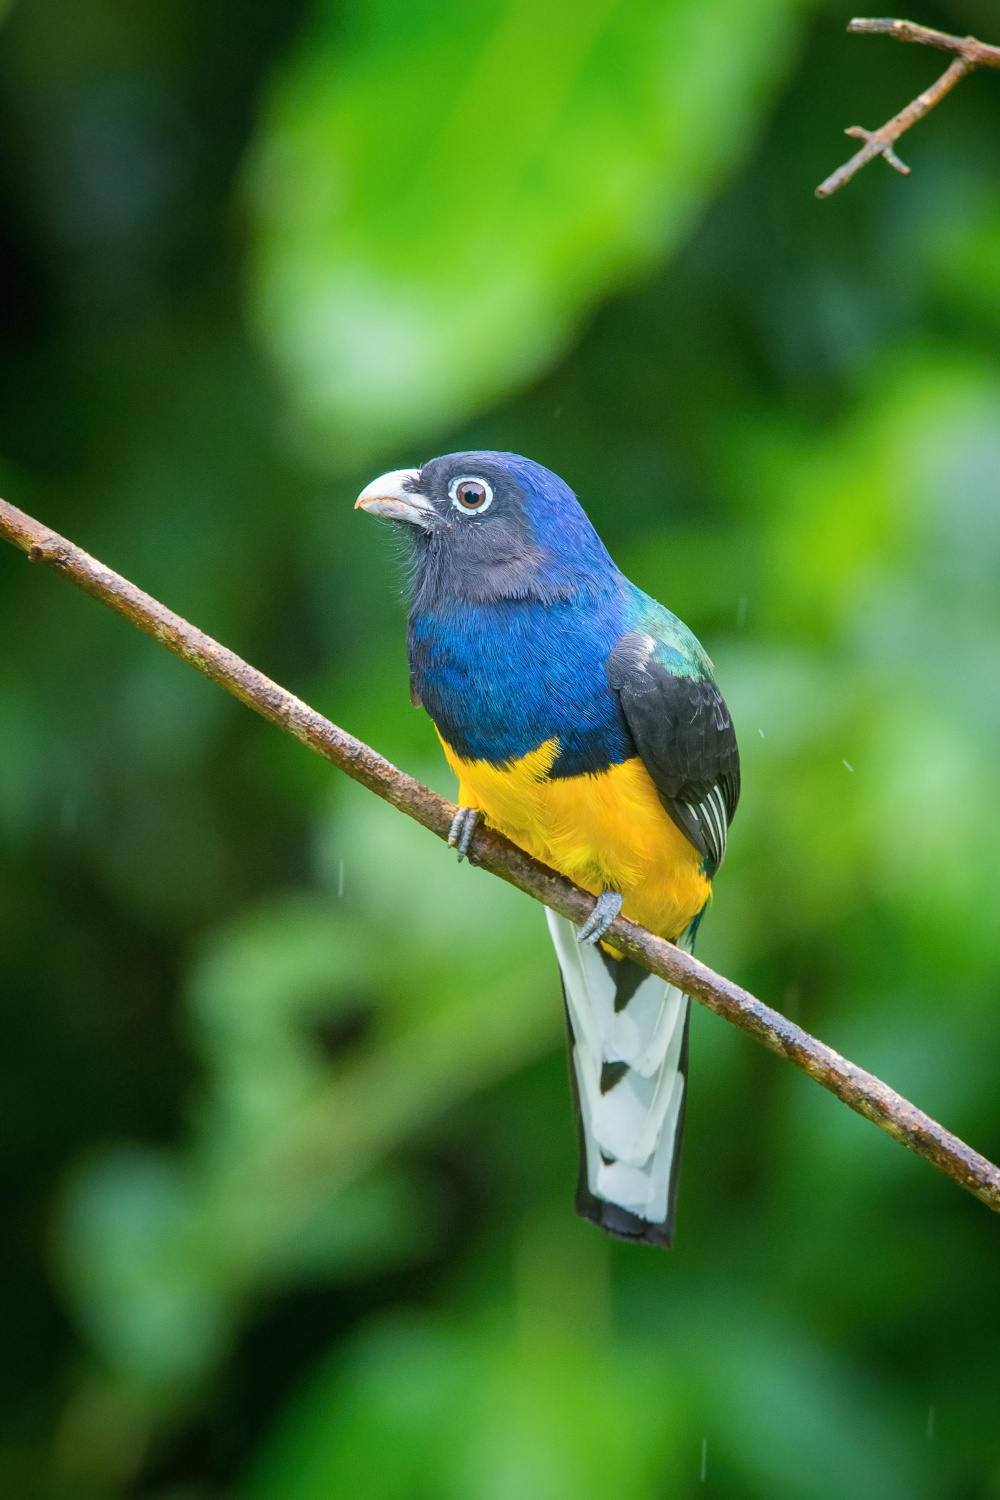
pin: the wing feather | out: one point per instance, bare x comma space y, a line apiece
684, 734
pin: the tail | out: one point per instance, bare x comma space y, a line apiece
628, 1032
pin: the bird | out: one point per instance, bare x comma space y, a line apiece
583, 722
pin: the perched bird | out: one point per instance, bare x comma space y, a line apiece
582, 721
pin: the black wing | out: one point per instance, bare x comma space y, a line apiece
685, 737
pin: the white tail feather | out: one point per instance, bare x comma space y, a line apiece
630, 1132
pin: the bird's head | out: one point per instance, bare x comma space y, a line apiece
489, 526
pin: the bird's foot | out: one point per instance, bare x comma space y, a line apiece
462, 828
606, 908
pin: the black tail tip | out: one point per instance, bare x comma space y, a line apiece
623, 1224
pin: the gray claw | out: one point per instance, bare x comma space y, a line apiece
463, 826
470, 827
456, 827
606, 908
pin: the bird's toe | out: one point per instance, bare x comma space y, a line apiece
606, 908
463, 826
456, 827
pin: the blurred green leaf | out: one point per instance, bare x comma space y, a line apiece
464, 1411
442, 191
474, 1408
285, 1177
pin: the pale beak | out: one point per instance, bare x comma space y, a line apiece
389, 496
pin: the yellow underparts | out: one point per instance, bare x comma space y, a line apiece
608, 830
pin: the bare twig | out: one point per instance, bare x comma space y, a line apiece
969, 55
976, 54
864, 1093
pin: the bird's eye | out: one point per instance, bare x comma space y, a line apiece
470, 494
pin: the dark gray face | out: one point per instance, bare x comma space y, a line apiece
469, 524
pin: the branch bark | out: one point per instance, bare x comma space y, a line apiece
969, 55
861, 1091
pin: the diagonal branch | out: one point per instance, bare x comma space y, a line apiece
969, 55
864, 1093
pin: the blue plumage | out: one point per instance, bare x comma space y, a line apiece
500, 676
499, 680
582, 720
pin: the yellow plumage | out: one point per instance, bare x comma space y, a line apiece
604, 830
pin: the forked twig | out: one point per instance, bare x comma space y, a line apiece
863, 1092
969, 55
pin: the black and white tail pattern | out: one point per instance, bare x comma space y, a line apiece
628, 1033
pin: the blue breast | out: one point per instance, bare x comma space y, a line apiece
500, 679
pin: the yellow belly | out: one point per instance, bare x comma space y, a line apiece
604, 830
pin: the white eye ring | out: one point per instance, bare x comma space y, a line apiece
470, 510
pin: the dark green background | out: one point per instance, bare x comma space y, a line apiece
790, 433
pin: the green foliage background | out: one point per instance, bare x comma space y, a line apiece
285, 1139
